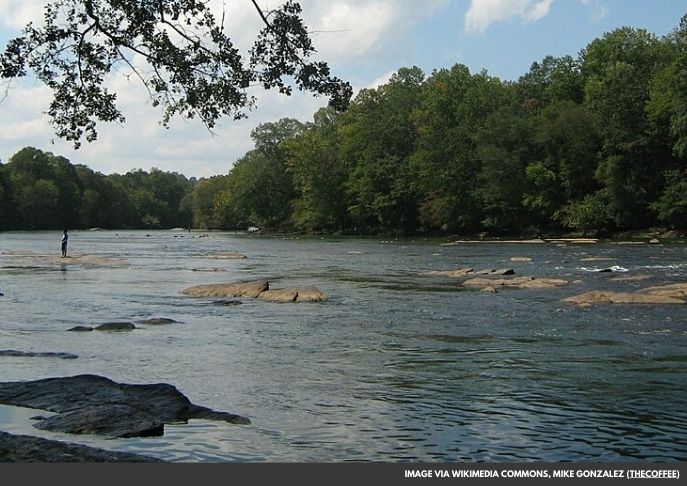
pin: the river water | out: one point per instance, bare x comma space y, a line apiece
394, 366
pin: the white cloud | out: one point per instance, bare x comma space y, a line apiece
597, 10
483, 13
16, 14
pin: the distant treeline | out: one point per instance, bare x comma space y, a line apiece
596, 143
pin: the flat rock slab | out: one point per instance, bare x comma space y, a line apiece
116, 326
527, 282
460, 272
259, 289
24, 448
241, 289
89, 260
464, 272
228, 256
91, 404
657, 295
31, 354
284, 295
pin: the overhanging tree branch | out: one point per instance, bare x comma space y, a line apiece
195, 70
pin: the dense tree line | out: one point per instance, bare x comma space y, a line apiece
596, 143
39, 190
593, 143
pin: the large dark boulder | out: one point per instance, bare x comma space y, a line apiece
24, 448
91, 404
115, 326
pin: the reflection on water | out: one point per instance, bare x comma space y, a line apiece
396, 366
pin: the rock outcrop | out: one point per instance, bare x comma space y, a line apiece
91, 404
24, 449
242, 289
310, 294
527, 282
657, 295
259, 289
115, 326
284, 295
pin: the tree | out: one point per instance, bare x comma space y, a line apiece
453, 108
619, 69
378, 138
672, 206
192, 66
319, 175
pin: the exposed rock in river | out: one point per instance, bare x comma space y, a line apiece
663, 294
516, 282
80, 329
31, 354
228, 256
90, 404
463, 272
284, 295
24, 449
116, 326
157, 321
259, 289
310, 294
243, 289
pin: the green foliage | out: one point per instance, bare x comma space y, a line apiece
192, 67
587, 215
39, 190
672, 205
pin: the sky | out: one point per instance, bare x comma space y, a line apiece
364, 42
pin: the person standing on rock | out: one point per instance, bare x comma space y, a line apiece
65, 238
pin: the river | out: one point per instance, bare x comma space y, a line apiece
395, 366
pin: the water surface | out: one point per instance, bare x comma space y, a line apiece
395, 366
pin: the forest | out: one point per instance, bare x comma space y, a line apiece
593, 144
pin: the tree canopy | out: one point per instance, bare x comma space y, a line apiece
190, 67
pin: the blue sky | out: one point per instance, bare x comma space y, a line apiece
363, 40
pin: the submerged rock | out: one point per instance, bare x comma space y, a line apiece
460, 272
226, 302
80, 329
31, 354
157, 321
631, 278
24, 449
91, 404
116, 326
464, 272
228, 256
